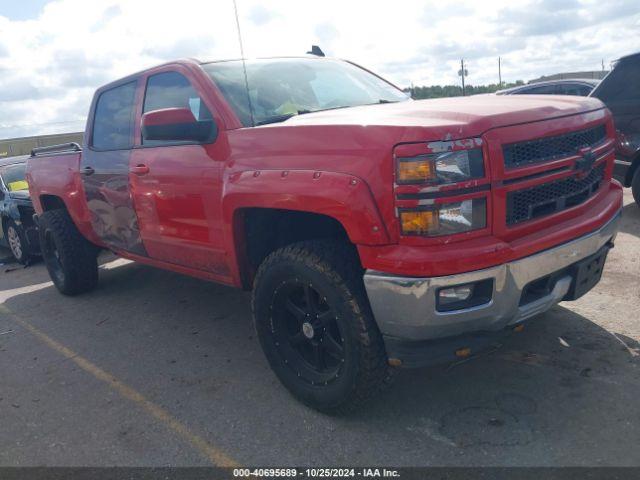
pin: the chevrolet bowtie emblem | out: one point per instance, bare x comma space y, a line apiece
584, 164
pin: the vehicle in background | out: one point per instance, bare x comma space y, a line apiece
17, 228
579, 87
620, 91
374, 230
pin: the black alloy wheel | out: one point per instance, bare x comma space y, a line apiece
306, 332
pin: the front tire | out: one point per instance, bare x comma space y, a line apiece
635, 186
17, 242
315, 326
70, 259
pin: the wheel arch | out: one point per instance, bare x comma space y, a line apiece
635, 164
341, 203
258, 231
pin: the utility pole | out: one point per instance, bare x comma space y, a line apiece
462, 73
603, 64
499, 72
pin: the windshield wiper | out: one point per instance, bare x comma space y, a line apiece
281, 118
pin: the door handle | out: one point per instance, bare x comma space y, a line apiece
87, 171
139, 169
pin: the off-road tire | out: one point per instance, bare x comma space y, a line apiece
74, 269
24, 256
635, 186
333, 268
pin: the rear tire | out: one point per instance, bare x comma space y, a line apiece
315, 326
70, 259
17, 242
635, 186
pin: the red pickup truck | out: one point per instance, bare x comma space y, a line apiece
374, 230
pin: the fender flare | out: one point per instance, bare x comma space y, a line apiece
345, 198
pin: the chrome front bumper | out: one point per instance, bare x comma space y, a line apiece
405, 307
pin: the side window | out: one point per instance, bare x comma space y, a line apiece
574, 89
173, 90
113, 119
543, 90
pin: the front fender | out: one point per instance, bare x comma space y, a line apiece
344, 197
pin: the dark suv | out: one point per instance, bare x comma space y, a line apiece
620, 90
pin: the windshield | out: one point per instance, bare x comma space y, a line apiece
280, 88
13, 177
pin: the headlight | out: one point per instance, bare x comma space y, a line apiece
439, 168
445, 219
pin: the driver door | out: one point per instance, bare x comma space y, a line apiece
177, 185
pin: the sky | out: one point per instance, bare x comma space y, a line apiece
53, 54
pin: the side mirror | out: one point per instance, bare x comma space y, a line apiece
177, 125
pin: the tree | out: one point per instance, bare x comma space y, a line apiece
440, 91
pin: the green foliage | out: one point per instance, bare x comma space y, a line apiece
439, 91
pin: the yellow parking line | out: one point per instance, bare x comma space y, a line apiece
213, 454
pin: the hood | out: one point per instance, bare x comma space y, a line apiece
459, 116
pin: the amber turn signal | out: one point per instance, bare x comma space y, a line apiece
463, 352
415, 170
418, 222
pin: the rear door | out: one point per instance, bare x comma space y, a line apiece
104, 168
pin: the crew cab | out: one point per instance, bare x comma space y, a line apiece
375, 231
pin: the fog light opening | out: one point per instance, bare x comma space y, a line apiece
467, 295
455, 294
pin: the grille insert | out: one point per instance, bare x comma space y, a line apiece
552, 148
552, 197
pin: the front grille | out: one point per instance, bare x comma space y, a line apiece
551, 148
552, 197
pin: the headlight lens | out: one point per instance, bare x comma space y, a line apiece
445, 219
440, 168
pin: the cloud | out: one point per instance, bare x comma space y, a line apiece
109, 14
326, 35
260, 15
53, 59
546, 17
17, 89
198, 46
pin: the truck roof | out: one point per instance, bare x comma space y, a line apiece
195, 61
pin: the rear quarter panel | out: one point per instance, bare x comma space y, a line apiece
59, 176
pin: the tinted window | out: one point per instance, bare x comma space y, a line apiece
579, 89
173, 90
113, 122
543, 90
13, 177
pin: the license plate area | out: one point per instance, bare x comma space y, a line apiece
587, 273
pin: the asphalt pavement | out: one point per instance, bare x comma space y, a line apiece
158, 369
